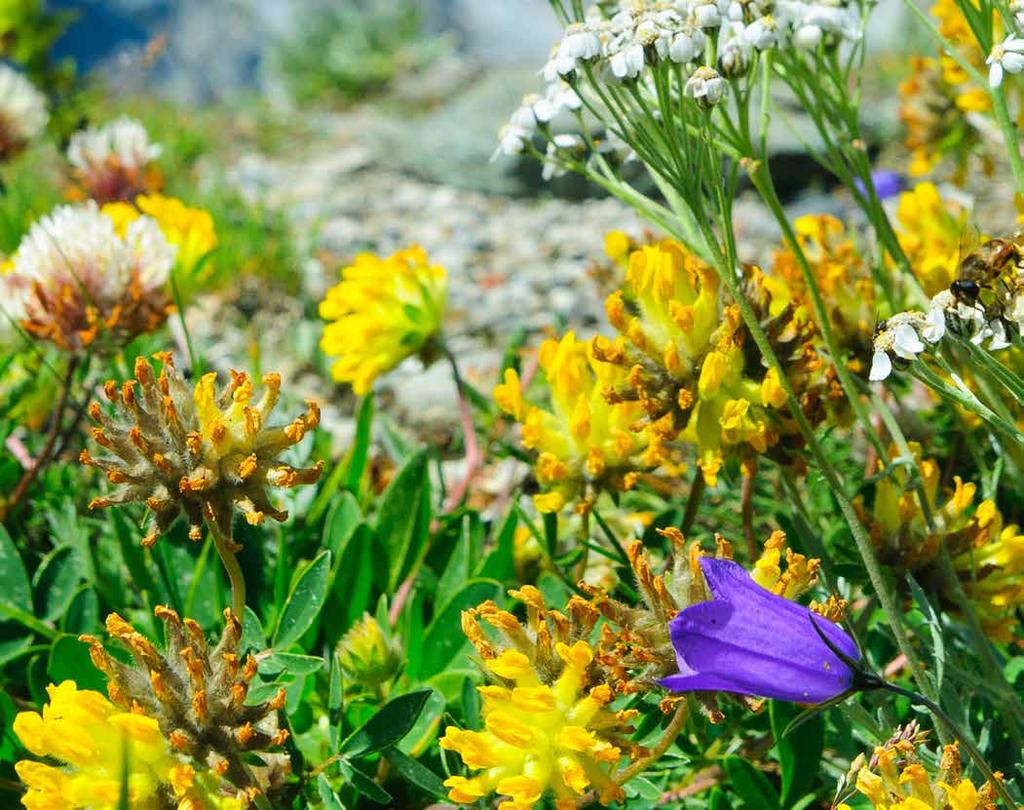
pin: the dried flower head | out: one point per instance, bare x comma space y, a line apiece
189, 229
23, 113
548, 722
383, 311
584, 443
115, 161
100, 746
82, 285
196, 695
896, 778
193, 449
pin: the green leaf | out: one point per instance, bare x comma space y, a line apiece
388, 725
134, 556
253, 637
457, 570
751, 785
799, 751
415, 774
400, 524
69, 661
14, 587
304, 602
500, 563
341, 525
56, 582
363, 782
327, 795
442, 639
470, 703
291, 663
335, 706
934, 626
10, 747
361, 445
717, 800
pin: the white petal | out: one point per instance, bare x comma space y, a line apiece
881, 366
995, 75
906, 342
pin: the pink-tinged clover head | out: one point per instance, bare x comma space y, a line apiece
749, 641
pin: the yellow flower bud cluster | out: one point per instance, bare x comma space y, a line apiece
178, 448
103, 749
383, 311
584, 444
896, 779
843, 279
987, 556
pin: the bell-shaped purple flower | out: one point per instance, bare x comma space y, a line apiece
750, 641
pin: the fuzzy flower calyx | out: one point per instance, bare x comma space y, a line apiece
193, 449
196, 694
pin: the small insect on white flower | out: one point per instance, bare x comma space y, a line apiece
1006, 57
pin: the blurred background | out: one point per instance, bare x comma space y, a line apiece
313, 130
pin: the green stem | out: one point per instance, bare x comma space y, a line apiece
226, 548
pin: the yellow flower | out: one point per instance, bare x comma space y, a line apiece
617, 246
190, 229
101, 747
383, 311
799, 577
929, 233
583, 443
842, 276
895, 779
538, 737
988, 557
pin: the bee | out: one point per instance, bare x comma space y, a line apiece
983, 268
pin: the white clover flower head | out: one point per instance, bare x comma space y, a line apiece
112, 160
1006, 57
78, 275
705, 86
23, 111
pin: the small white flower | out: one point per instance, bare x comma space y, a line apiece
687, 45
934, 327
707, 14
580, 43
808, 37
1007, 56
762, 33
705, 86
628, 61
524, 117
881, 366
906, 342
512, 140
553, 167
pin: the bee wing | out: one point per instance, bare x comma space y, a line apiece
970, 241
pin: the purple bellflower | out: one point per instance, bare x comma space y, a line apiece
887, 183
749, 641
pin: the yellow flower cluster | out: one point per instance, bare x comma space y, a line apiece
584, 444
102, 747
930, 231
384, 310
190, 229
842, 276
799, 575
538, 736
895, 779
987, 556
938, 93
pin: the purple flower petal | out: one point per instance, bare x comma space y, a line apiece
750, 641
887, 183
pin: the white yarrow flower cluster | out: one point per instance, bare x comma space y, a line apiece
23, 111
1006, 57
535, 111
905, 336
619, 42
